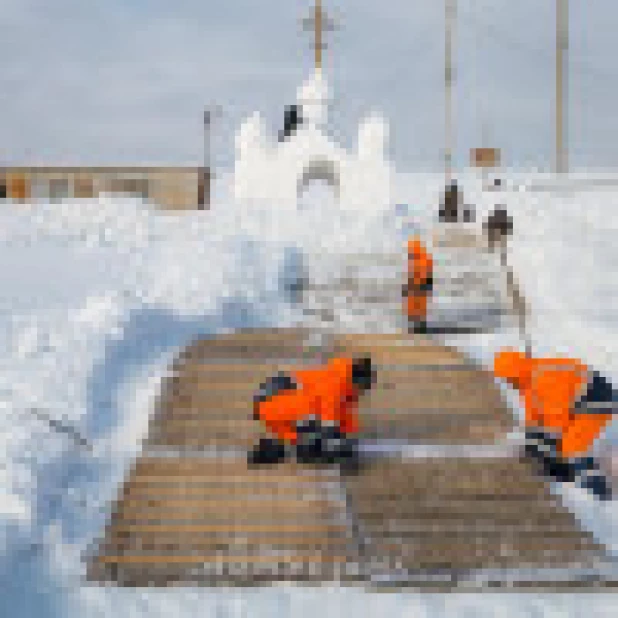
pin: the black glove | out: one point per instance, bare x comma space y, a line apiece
426, 286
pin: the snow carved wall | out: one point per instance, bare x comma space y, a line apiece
281, 172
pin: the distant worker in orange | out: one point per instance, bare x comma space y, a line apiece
419, 286
567, 406
314, 411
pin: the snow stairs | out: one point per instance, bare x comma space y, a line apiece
363, 291
431, 517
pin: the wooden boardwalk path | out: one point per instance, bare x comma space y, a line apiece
192, 513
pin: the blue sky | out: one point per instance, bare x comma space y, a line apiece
126, 81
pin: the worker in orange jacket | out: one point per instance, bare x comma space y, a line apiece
567, 406
314, 411
419, 286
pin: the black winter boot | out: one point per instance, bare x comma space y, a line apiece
308, 440
327, 445
418, 328
557, 468
331, 442
598, 485
589, 476
268, 451
349, 457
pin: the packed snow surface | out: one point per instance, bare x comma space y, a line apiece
98, 297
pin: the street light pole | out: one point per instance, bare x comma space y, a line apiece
210, 113
562, 42
450, 8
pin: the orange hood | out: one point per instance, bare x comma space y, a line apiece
514, 367
341, 368
415, 246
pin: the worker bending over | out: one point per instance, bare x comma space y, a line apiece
567, 406
314, 411
419, 286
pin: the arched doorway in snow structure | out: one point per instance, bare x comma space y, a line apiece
320, 170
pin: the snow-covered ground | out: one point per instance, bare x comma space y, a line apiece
98, 297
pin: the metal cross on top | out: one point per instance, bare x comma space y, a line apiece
320, 23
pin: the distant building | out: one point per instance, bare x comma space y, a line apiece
174, 188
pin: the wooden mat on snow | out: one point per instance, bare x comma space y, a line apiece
192, 513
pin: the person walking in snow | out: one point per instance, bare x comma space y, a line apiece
452, 208
498, 227
419, 286
314, 411
567, 406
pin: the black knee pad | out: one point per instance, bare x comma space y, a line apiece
308, 425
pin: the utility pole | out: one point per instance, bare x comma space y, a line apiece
450, 8
561, 162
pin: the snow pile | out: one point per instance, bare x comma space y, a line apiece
80, 367
102, 222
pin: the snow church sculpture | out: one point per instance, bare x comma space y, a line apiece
282, 171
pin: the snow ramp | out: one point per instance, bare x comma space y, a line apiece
441, 503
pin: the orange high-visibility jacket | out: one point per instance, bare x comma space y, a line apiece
420, 263
420, 271
549, 388
326, 392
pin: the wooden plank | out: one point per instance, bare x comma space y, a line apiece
403, 355
274, 490
223, 439
212, 424
234, 482
222, 559
224, 469
480, 433
264, 516
410, 532
235, 528
184, 506
182, 544
222, 574
470, 556
406, 401
259, 347
489, 515
237, 373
